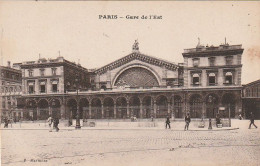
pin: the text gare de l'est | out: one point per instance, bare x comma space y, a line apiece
130, 17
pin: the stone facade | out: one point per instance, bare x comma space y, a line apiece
10, 90
206, 84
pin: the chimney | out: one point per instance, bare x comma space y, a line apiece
8, 64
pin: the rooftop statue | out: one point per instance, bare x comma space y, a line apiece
135, 46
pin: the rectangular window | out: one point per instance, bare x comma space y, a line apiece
30, 72
42, 72
42, 87
196, 62
212, 79
54, 87
229, 60
54, 71
31, 89
212, 61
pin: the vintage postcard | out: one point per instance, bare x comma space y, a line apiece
130, 83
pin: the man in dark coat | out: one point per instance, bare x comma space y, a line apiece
6, 121
252, 120
187, 121
217, 120
56, 123
167, 122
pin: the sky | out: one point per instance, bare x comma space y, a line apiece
30, 28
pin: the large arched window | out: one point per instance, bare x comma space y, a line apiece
136, 77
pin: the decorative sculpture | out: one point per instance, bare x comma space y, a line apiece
135, 46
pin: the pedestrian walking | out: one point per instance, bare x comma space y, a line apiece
187, 121
252, 120
168, 123
240, 117
56, 124
50, 122
217, 120
6, 121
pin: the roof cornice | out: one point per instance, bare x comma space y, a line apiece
138, 56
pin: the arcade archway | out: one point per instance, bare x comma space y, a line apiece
121, 105
195, 106
43, 107
108, 108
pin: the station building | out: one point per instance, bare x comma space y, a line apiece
206, 83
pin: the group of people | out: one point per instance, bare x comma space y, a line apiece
187, 122
53, 124
6, 122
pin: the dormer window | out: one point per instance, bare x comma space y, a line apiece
212, 61
229, 60
196, 62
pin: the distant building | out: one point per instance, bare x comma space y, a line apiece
251, 99
10, 90
207, 83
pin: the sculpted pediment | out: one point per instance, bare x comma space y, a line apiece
140, 57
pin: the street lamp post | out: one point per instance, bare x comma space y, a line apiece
211, 100
77, 116
229, 120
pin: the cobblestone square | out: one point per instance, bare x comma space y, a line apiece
130, 147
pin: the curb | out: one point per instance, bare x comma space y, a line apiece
141, 129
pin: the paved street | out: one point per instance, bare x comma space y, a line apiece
131, 147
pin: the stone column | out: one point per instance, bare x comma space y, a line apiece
62, 110
127, 109
238, 108
204, 109
89, 107
141, 109
220, 78
38, 113
36, 86
48, 86
185, 105
24, 87
102, 109
154, 108
50, 111
77, 111
169, 107
115, 110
